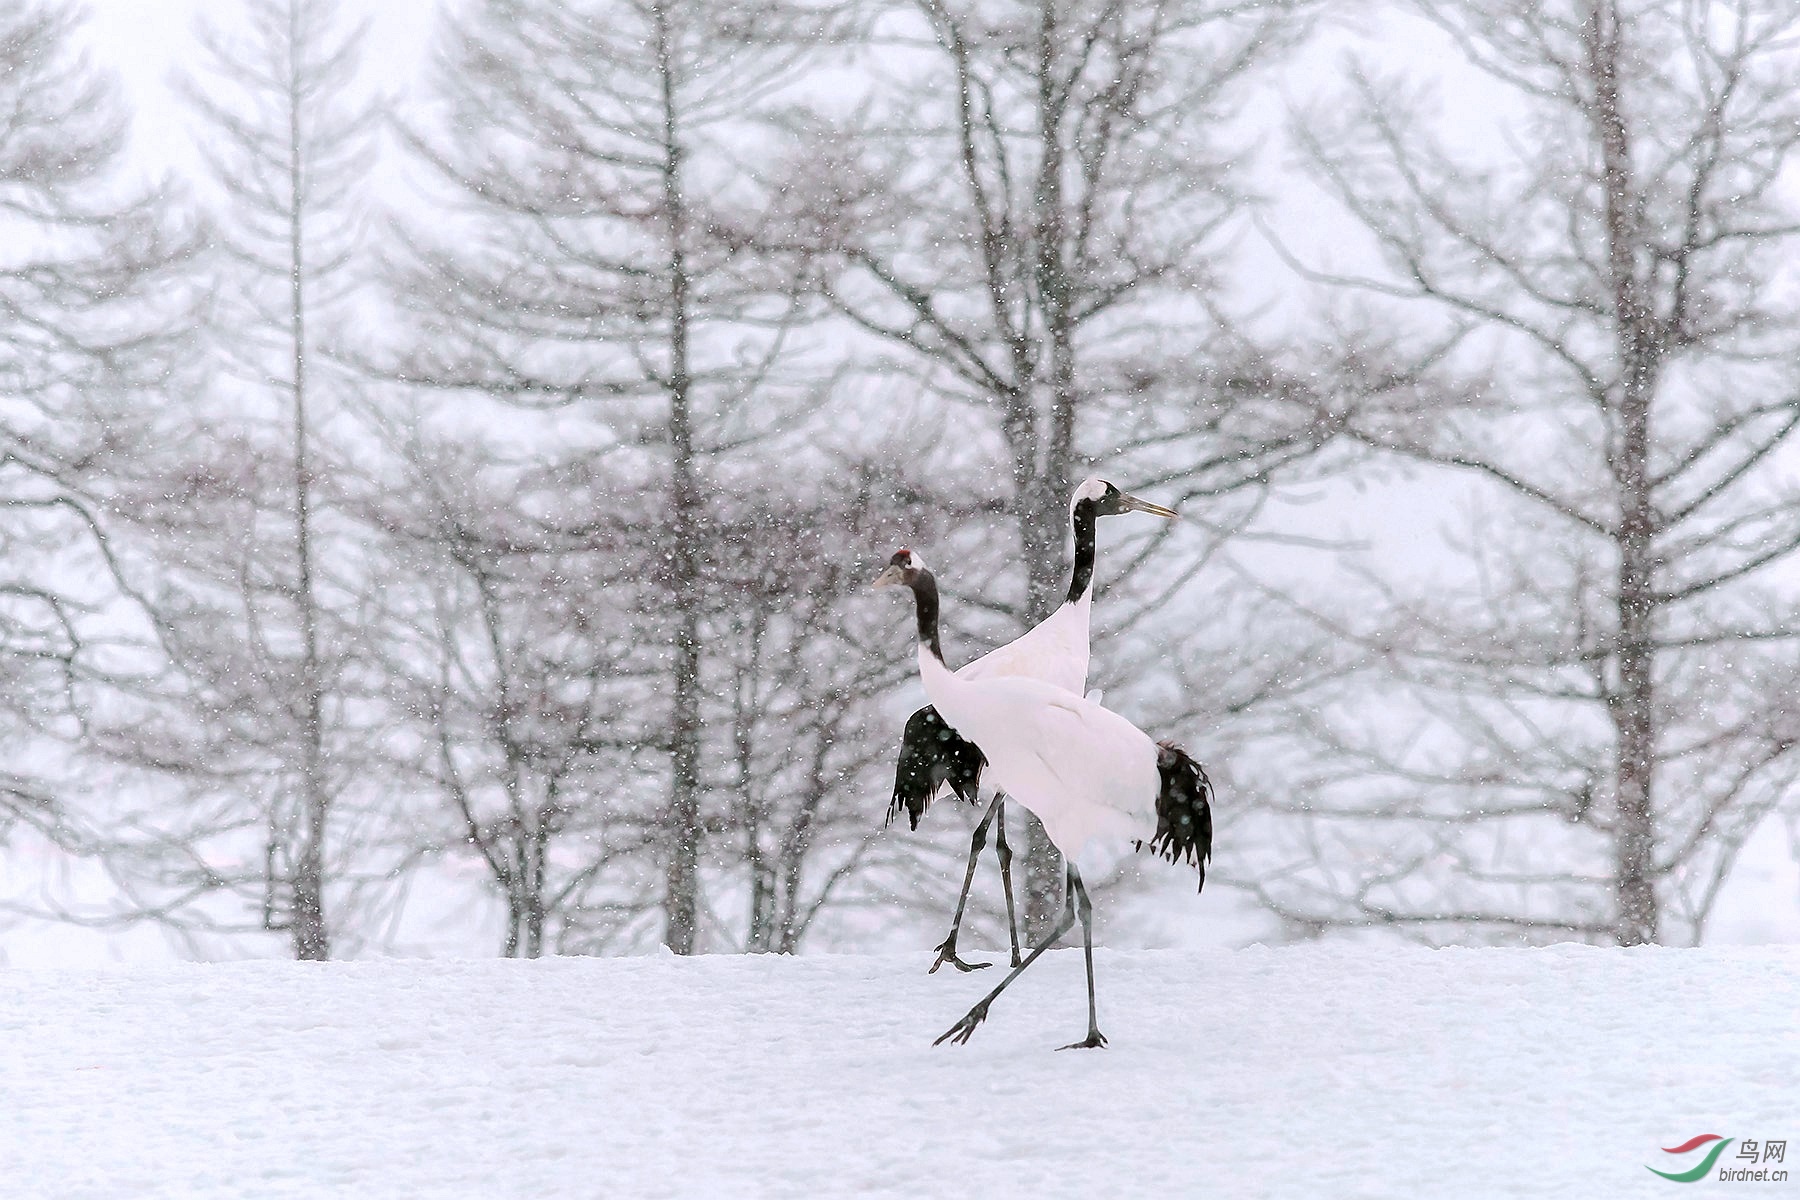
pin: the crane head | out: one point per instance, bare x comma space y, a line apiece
1109, 501
903, 569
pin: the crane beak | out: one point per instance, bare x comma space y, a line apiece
889, 577
1133, 504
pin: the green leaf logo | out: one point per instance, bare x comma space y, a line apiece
1706, 1164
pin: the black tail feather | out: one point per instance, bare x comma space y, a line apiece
1184, 829
931, 755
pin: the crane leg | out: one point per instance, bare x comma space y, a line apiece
1003, 852
1085, 909
965, 1028
947, 950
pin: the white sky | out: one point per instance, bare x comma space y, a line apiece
148, 42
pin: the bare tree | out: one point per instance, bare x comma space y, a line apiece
88, 308
528, 707
1586, 721
1029, 209
807, 663
245, 607
598, 152
519, 704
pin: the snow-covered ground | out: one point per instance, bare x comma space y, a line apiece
1311, 1072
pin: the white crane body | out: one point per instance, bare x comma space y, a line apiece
1082, 769
1054, 651
935, 757
1085, 771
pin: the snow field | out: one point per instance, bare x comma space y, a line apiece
1310, 1072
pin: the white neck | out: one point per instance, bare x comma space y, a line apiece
934, 674
945, 691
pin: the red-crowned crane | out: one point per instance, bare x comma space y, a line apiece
1055, 650
1085, 771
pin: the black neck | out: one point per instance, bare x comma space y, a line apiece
1083, 520
926, 594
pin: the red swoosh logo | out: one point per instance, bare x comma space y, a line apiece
1691, 1143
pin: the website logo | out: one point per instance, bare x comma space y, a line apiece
1750, 1151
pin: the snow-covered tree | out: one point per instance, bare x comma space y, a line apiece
88, 306
1588, 318
592, 263
256, 573
1029, 206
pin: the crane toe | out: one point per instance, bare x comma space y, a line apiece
947, 954
964, 1029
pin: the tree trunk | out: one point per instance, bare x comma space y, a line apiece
307, 922
1632, 704
534, 890
1046, 497
681, 898
514, 942
1041, 527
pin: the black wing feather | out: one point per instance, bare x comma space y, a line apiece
931, 755
1184, 827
